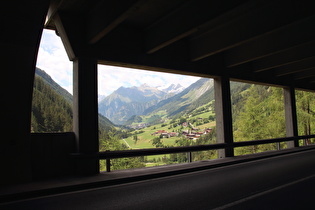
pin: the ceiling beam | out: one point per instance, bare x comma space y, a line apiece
286, 37
60, 6
256, 22
53, 8
107, 16
59, 22
183, 21
300, 77
244, 72
306, 83
292, 55
284, 74
291, 68
300, 66
305, 74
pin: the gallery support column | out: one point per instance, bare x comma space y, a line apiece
223, 112
85, 113
290, 115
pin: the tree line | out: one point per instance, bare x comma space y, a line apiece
50, 111
258, 113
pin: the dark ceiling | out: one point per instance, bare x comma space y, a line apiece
268, 41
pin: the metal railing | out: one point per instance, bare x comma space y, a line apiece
108, 155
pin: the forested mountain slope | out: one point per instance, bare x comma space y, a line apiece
57, 88
258, 113
51, 112
52, 107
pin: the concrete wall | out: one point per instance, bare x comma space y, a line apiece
21, 28
51, 155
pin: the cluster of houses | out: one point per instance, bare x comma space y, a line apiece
139, 126
164, 134
192, 134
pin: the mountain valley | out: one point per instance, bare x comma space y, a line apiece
148, 117
124, 103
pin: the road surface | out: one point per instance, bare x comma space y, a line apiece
282, 182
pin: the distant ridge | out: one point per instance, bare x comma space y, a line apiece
197, 94
126, 102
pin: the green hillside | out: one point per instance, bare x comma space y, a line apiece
51, 112
52, 84
52, 107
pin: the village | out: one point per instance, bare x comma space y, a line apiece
190, 133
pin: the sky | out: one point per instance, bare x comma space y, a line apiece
53, 59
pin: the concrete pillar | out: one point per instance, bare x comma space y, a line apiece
290, 115
223, 112
21, 28
85, 113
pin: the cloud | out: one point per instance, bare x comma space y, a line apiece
53, 59
110, 78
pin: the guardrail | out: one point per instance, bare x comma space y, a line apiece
108, 155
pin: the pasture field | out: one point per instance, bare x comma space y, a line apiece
145, 135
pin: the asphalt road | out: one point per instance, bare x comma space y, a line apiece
285, 181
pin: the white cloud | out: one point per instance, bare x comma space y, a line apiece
53, 59
110, 78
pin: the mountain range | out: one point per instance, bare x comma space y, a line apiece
125, 103
197, 94
128, 101
173, 89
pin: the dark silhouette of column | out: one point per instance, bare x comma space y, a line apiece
85, 113
21, 28
290, 115
223, 114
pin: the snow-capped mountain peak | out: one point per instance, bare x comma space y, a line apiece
174, 89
